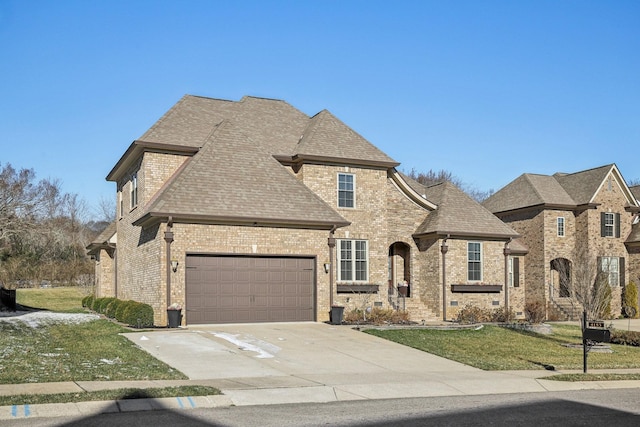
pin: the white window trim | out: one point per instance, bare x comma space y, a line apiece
353, 260
610, 226
480, 262
338, 190
134, 191
605, 267
561, 226
120, 205
510, 272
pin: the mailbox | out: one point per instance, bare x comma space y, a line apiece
597, 335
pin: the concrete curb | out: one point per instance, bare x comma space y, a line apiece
84, 409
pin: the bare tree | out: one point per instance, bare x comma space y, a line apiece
432, 177
106, 209
583, 282
43, 231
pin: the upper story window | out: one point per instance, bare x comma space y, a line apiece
609, 224
474, 261
120, 205
353, 259
560, 226
346, 190
134, 190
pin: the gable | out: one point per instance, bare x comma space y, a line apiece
232, 180
328, 139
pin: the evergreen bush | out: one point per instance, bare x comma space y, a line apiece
630, 299
138, 315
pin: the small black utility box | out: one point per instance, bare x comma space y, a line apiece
597, 335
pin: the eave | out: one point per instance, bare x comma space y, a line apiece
136, 149
465, 235
152, 218
298, 160
548, 206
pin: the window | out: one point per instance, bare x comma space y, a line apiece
514, 272
610, 267
474, 261
346, 190
134, 190
353, 259
120, 204
609, 224
560, 226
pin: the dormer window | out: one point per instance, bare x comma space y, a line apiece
346, 190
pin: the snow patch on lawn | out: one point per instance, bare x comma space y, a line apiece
37, 319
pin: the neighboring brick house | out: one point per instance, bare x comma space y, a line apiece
558, 214
252, 211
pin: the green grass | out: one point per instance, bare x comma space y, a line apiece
119, 394
594, 377
496, 348
92, 351
68, 300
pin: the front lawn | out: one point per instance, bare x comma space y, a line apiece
497, 348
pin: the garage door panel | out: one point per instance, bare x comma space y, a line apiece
235, 289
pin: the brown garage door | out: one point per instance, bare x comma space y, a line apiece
241, 289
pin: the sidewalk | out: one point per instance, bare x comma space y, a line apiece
284, 390
294, 363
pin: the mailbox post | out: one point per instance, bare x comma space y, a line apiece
592, 332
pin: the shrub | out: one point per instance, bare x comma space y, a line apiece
502, 315
120, 310
111, 308
138, 315
96, 304
534, 311
87, 301
625, 337
377, 316
101, 307
472, 314
630, 299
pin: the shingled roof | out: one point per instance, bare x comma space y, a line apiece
329, 139
458, 215
102, 240
233, 176
233, 180
567, 191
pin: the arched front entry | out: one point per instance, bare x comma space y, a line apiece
561, 277
400, 268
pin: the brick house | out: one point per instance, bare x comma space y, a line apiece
558, 214
252, 211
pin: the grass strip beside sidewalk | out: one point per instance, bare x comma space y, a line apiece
107, 395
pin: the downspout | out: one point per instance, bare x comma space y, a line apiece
168, 237
331, 242
444, 248
506, 252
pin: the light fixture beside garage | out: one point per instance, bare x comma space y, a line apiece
174, 265
327, 267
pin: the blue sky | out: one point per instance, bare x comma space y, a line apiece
486, 90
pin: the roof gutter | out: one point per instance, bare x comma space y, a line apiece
138, 147
152, 218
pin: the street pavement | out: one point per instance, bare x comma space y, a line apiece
278, 363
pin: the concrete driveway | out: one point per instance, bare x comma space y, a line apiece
316, 362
